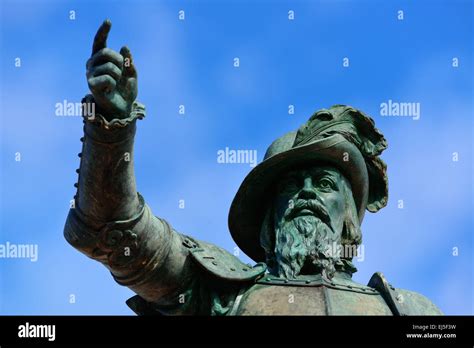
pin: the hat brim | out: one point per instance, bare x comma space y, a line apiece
248, 207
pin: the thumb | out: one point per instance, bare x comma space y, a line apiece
128, 66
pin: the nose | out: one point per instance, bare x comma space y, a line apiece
307, 192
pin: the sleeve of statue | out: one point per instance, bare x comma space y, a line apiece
110, 221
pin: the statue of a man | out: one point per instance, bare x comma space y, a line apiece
297, 214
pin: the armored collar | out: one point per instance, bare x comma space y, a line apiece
340, 282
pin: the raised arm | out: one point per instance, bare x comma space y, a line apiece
172, 273
109, 129
110, 221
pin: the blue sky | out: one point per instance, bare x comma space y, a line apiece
282, 62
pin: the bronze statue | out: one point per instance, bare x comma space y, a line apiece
293, 214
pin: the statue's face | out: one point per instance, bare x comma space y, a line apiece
310, 212
316, 191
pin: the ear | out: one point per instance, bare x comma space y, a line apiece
351, 233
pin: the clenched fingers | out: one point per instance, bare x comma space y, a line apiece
103, 56
105, 69
101, 84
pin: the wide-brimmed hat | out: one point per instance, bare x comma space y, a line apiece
341, 136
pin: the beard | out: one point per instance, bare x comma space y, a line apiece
303, 245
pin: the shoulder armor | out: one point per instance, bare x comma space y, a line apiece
140, 306
215, 261
418, 304
403, 302
224, 265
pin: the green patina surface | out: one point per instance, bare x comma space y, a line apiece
293, 214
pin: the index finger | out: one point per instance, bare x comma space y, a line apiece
100, 39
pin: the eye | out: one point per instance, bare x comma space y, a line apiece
288, 185
325, 184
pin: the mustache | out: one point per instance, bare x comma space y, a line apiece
314, 205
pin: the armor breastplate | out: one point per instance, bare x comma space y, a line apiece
310, 296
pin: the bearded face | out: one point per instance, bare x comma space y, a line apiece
313, 214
